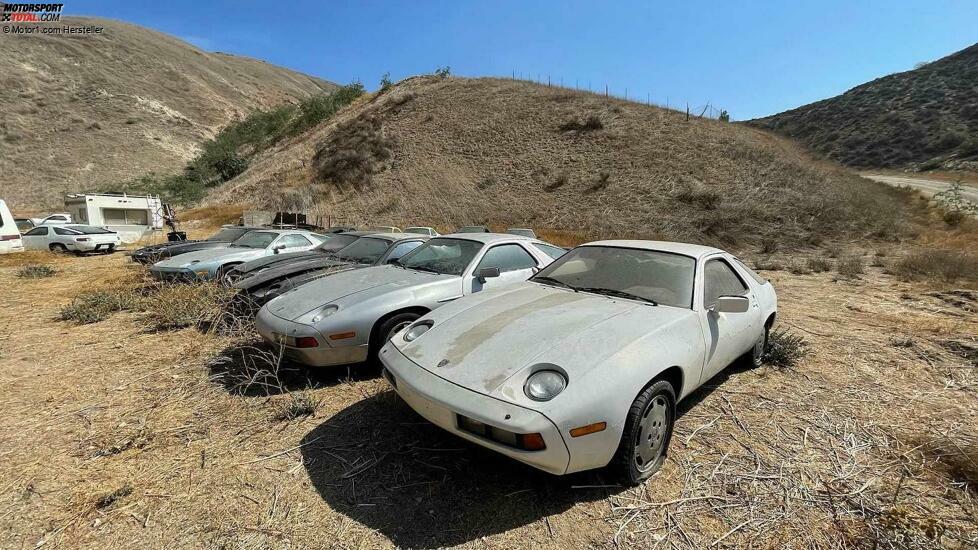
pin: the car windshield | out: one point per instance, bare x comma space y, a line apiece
365, 251
228, 234
337, 242
88, 229
24, 225
647, 275
472, 229
418, 230
255, 239
446, 256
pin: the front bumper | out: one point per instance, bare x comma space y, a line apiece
440, 402
273, 329
179, 274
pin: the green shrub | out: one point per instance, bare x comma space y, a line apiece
385, 82
36, 271
785, 349
97, 305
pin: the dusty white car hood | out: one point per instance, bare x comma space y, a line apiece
483, 346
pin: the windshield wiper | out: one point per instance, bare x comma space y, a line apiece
425, 269
618, 293
555, 282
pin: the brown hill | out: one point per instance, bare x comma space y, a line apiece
80, 110
454, 151
924, 118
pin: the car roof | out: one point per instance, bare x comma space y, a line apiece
487, 238
686, 249
395, 236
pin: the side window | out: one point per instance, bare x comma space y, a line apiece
36, 232
294, 240
402, 249
507, 257
720, 280
550, 250
753, 275
63, 231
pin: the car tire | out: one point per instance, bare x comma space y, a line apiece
58, 248
223, 274
648, 429
389, 328
754, 357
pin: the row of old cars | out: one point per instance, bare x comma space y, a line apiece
563, 360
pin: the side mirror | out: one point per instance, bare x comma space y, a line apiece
393, 261
731, 304
487, 273
278, 247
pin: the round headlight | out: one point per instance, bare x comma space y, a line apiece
417, 330
325, 312
544, 385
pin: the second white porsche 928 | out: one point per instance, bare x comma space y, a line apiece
582, 366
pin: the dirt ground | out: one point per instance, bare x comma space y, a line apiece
114, 435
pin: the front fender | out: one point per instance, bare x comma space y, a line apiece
606, 392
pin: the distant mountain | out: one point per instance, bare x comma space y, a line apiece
924, 118
78, 111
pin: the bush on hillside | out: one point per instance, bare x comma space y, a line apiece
353, 153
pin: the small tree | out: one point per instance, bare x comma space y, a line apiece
385, 82
955, 206
443, 72
724, 116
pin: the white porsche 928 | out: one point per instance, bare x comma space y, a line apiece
582, 366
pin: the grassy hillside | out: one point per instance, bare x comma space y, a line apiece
77, 111
456, 151
925, 118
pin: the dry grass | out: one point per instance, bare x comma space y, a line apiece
943, 265
214, 216
850, 266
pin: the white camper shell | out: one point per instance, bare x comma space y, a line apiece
133, 217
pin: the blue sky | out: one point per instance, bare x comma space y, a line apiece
751, 58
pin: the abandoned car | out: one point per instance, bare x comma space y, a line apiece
581, 367
218, 262
346, 317
258, 286
157, 252
71, 237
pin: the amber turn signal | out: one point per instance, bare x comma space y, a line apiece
531, 442
589, 429
343, 335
